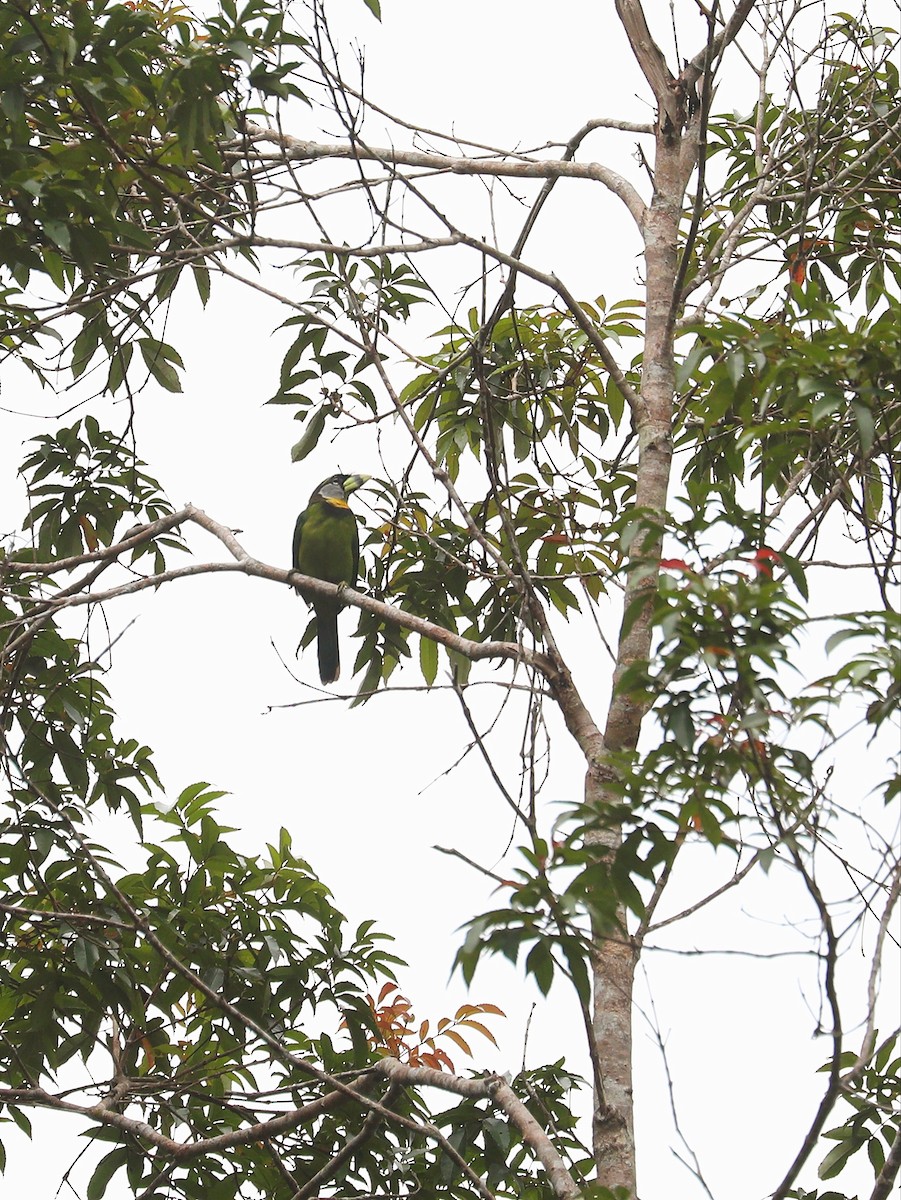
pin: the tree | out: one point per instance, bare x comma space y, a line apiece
680, 460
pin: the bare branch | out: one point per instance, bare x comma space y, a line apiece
868, 1042
298, 150
650, 58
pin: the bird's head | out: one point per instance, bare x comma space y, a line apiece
337, 488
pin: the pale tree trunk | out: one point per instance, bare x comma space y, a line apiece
615, 954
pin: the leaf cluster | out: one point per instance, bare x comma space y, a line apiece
114, 175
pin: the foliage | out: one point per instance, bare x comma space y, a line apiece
835, 230
116, 177
874, 1124
398, 1034
206, 1010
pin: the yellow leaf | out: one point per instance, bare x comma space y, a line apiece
90, 535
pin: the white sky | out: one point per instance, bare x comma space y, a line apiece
195, 675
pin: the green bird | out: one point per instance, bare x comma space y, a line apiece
327, 546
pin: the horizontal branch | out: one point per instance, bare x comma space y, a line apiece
79, 593
494, 1089
134, 538
299, 150
71, 918
260, 1131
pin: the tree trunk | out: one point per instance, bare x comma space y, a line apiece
615, 955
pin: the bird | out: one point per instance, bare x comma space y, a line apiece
327, 546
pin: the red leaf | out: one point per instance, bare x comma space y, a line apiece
762, 559
675, 564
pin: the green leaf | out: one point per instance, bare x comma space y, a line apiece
12, 101
58, 232
835, 1161
202, 283
866, 425
104, 1171
540, 965
161, 360
315, 424
428, 659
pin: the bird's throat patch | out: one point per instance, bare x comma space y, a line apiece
336, 503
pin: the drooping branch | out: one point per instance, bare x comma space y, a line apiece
77, 594
499, 1092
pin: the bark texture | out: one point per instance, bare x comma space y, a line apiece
615, 954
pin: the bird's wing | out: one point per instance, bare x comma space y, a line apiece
298, 534
355, 556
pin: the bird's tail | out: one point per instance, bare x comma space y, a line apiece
327, 645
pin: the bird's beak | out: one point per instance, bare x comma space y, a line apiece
352, 482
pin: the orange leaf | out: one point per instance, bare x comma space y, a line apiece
423, 1031
442, 1057
429, 1060
798, 255
492, 1008
387, 988
149, 1056
459, 1040
481, 1028
753, 746
797, 269
466, 1010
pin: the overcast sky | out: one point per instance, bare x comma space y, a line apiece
367, 793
